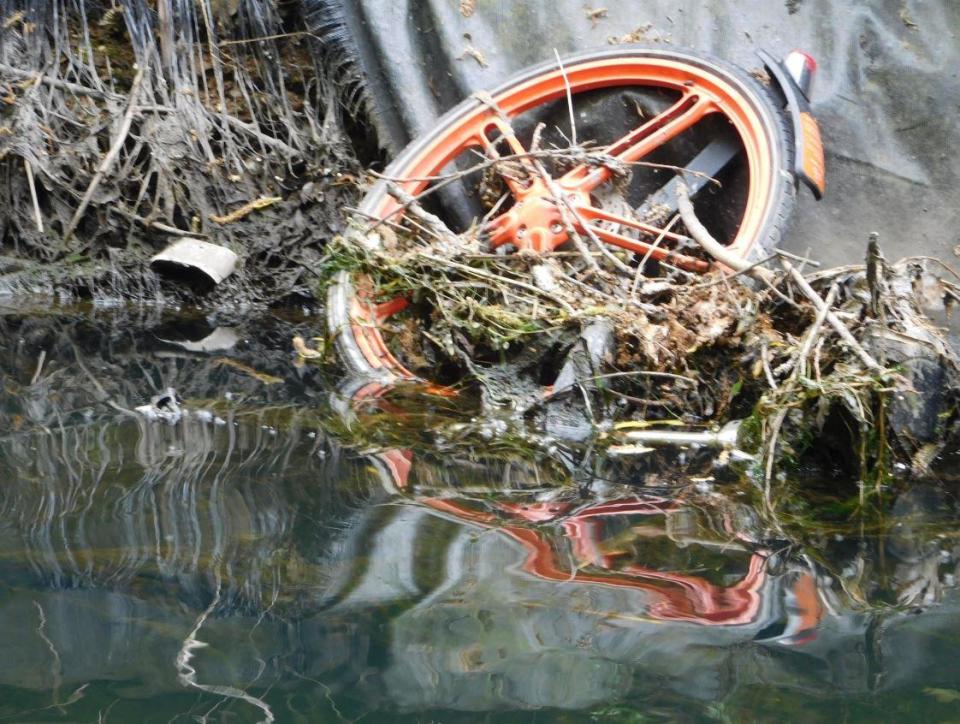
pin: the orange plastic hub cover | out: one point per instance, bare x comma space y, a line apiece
535, 222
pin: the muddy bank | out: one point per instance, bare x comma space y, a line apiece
124, 129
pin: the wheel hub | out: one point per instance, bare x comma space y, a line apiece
535, 222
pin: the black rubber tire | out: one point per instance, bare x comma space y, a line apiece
763, 99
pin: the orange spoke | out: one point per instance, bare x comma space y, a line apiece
641, 141
516, 148
509, 136
683, 261
388, 309
594, 214
689, 263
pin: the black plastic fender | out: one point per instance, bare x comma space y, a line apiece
808, 146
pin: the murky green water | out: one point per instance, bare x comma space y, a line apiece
290, 551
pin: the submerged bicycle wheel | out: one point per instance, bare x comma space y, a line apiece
654, 111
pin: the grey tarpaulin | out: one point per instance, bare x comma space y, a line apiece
887, 92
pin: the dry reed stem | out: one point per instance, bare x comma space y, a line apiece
111, 156
245, 210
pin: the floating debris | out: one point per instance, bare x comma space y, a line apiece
165, 407
247, 369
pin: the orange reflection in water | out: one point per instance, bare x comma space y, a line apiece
675, 596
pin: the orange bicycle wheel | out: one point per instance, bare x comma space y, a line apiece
698, 92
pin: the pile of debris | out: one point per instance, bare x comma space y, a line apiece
836, 361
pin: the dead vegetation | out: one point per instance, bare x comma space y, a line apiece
129, 124
826, 363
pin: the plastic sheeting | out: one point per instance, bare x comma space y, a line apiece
887, 92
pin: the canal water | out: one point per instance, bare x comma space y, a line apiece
262, 542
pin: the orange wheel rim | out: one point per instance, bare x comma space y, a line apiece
702, 93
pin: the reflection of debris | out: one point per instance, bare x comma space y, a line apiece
301, 348
189, 257
39, 369
472, 52
468, 7
257, 374
187, 674
56, 669
13, 19
793, 6
594, 15
304, 353
923, 459
944, 696
164, 407
222, 338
